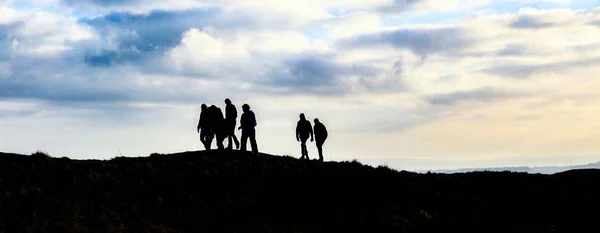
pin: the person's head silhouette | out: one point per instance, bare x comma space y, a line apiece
246, 107
302, 117
317, 121
204, 107
227, 101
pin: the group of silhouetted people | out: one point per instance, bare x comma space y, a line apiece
213, 125
304, 130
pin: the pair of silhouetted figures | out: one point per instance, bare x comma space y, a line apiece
304, 130
212, 124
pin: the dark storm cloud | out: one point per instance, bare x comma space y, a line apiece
422, 42
481, 94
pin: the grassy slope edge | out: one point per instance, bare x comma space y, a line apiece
231, 192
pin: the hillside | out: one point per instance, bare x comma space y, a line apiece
231, 192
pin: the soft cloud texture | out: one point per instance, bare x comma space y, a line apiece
422, 84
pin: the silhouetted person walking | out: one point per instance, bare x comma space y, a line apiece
320, 137
230, 122
303, 131
247, 125
204, 127
218, 125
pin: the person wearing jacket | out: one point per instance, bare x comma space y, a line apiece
230, 122
303, 131
248, 125
205, 127
218, 125
320, 137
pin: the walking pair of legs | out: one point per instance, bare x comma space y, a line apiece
304, 151
206, 137
320, 149
231, 136
220, 138
252, 135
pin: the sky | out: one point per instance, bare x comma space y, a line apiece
412, 84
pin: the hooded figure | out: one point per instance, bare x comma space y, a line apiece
303, 131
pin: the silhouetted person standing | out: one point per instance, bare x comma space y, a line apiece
247, 125
204, 127
303, 131
230, 122
320, 137
218, 125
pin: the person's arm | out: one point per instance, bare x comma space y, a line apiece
325, 132
199, 123
297, 131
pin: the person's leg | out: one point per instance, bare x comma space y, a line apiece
244, 140
253, 142
235, 140
304, 149
229, 132
204, 139
320, 149
302, 143
220, 139
209, 139
229, 142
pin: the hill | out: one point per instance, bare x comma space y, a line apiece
231, 192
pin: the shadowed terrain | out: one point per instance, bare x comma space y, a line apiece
231, 192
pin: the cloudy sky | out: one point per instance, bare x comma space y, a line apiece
415, 84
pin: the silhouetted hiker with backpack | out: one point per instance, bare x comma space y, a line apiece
320, 137
303, 131
204, 127
247, 125
218, 125
230, 122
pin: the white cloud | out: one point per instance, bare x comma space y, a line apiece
352, 24
43, 33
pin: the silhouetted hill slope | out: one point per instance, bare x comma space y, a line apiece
231, 192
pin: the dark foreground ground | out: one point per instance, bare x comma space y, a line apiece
215, 192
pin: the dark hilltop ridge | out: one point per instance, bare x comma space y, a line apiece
219, 191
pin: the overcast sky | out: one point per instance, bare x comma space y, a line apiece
416, 84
